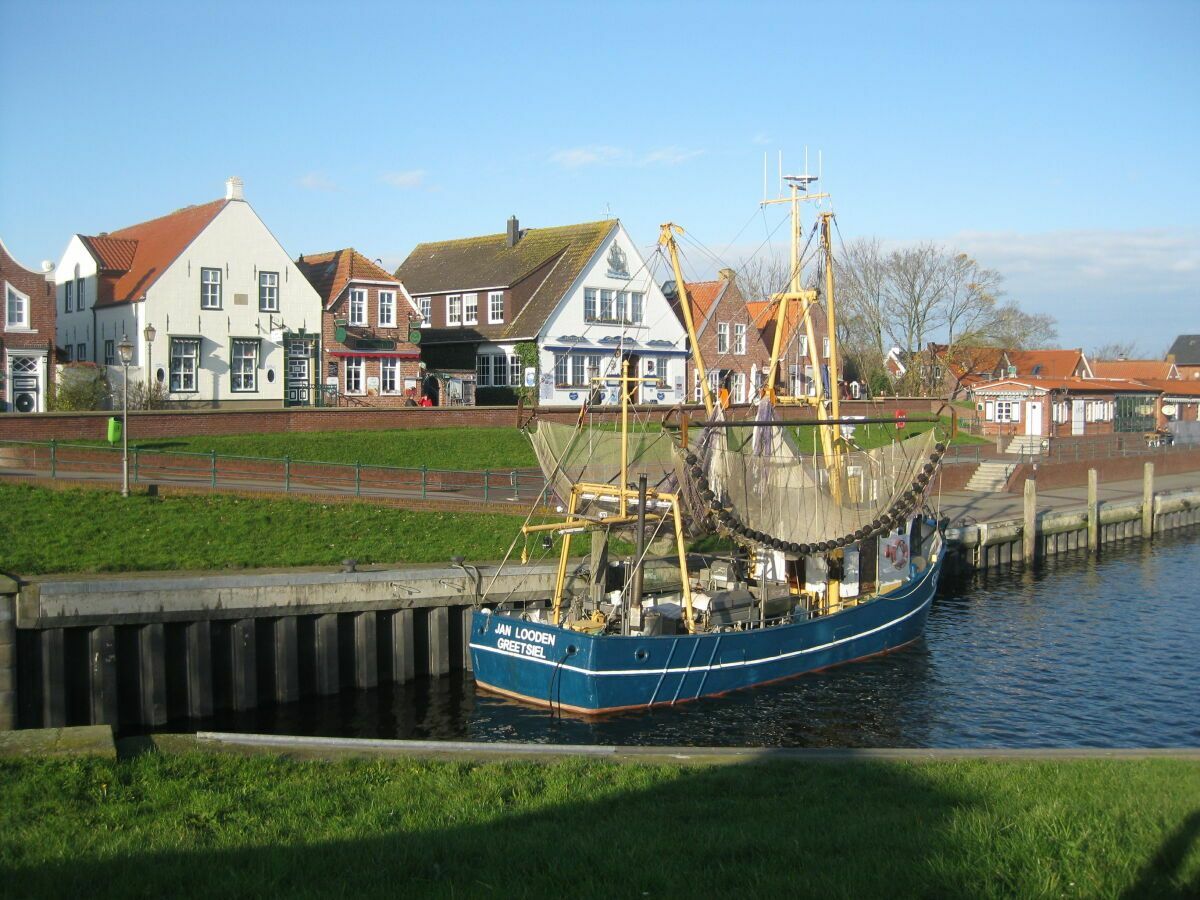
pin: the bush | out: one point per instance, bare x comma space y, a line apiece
81, 386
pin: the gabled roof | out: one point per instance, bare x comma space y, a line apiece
1141, 369
330, 273
704, 296
135, 257
1174, 387
1045, 363
1186, 350
478, 263
764, 314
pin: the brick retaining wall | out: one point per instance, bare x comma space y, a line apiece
1073, 473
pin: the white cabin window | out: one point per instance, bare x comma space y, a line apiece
387, 309
184, 354
454, 309
495, 307
425, 304
358, 307
243, 366
470, 309
268, 292
16, 308
210, 288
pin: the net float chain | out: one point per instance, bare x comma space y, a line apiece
898, 512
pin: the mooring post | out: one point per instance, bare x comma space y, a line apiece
366, 650
152, 671
102, 675
468, 613
1093, 513
8, 661
243, 658
1029, 532
1148, 501
54, 678
438, 623
328, 675
403, 662
287, 659
198, 647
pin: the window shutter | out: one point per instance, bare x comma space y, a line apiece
1016, 411
989, 411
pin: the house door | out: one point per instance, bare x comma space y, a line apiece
298, 387
635, 371
25, 384
1033, 418
1077, 423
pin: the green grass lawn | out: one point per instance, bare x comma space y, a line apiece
196, 825
437, 448
44, 531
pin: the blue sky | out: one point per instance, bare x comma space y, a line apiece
1057, 142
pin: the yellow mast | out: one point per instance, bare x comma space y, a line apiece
667, 239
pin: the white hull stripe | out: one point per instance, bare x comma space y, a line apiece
706, 668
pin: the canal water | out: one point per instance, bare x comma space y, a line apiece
1083, 653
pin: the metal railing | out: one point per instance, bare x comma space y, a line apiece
55, 459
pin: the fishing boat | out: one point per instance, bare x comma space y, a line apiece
836, 549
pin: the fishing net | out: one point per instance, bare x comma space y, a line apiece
773, 487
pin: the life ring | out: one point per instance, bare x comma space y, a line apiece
900, 414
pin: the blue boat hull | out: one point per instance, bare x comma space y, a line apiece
568, 670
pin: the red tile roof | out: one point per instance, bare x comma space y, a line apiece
1174, 387
764, 313
138, 255
703, 295
1043, 364
1140, 369
1072, 385
330, 273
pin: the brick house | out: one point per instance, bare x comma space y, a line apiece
581, 293
1060, 407
367, 354
796, 376
1185, 354
733, 349
27, 351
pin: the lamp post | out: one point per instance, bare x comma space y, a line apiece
125, 348
148, 333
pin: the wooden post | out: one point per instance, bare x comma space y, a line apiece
1093, 513
1148, 501
1029, 532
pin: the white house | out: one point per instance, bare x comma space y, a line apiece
582, 293
215, 309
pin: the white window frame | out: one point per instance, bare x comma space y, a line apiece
499, 369
606, 303
425, 304
389, 372
495, 307
454, 310
562, 370
578, 370
356, 308
590, 311
722, 337
81, 352
243, 368
470, 309
1007, 412
23, 320
211, 284
483, 369
637, 307
179, 375
68, 294
825, 346
739, 387
387, 301
515, 371
357, 365
802, 345
268, 292
622, 307
739, 340
80, 299
110, 352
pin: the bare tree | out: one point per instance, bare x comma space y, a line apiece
762, 276
1015, 329
1116, 350
861, 277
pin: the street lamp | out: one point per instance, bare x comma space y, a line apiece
148, 333
125, 348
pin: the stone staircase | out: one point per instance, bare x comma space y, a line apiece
1025, 445
990, 477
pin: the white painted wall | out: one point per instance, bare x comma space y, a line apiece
75, 327
240, 245
659, 322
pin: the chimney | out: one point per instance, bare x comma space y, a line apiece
727, 274
514, 232
1171, 357
233, 189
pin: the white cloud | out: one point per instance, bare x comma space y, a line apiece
761, 138
407, 180
574, 157
315, 181
669, 156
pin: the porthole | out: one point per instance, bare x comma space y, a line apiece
572, 650
270, 376
641, 655
160, 376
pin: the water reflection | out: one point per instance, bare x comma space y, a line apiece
1082, 652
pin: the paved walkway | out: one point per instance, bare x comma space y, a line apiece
998, 507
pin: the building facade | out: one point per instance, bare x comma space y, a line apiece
1063, 407
217, 312
581, 295
368, 355
27, 352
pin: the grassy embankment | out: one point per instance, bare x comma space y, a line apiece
229, 826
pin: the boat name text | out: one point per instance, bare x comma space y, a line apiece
528, 642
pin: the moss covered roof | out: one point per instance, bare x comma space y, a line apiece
558, 254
